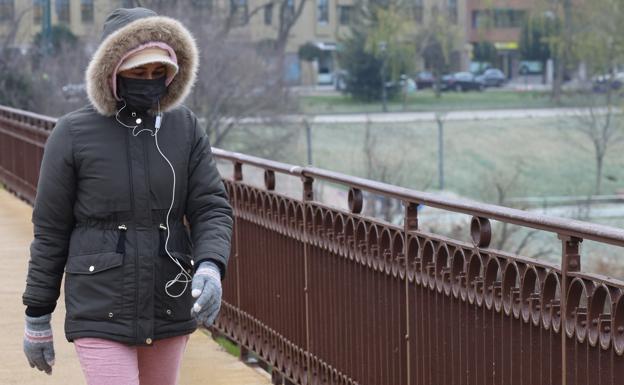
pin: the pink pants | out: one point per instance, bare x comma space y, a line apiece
107, 362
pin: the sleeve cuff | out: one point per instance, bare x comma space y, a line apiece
38, 311
216, 262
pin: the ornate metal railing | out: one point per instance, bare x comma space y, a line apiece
323, 295
22, 137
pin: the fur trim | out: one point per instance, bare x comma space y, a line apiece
101, 68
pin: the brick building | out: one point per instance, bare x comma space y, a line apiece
499, 22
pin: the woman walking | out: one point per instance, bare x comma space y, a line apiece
118, 178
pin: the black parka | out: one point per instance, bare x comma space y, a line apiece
100, 209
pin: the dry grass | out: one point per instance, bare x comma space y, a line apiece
544, 151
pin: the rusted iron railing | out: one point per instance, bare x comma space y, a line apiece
22, 137
329, 296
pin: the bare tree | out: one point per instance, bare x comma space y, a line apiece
235, 84
383, 168
15, 85
12, 29
225, 16
602, 49
377, 168
496, 187
437, 40
563, 43
601, 126
58, 78
601, 131
288, 13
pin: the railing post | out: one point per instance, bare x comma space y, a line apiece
238, 177
308, 192
410, 224
570, 262
411, 216
269, 180
308, 195
276, 377
238, 171
244, 354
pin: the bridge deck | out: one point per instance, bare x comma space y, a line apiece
204, 362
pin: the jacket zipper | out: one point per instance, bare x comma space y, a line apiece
149, 201
136, 255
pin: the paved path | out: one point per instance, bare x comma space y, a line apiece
205, 362
407, 117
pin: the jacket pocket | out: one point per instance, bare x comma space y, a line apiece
92, 285
91, 240
175, 297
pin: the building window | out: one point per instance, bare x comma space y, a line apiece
452, 11
86, 11
38, 11
322, 11
268, 14
499, 18
418, 10
289, 12
344, 14
202, 4
240, 9
62, 11
509, 18
480, 19
7, 10
519, 18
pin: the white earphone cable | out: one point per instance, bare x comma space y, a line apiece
182, 276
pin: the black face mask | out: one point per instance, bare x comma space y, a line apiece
141, 94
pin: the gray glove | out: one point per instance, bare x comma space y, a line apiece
38, 344
207, 286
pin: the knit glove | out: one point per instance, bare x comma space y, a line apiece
206, 287
38, 344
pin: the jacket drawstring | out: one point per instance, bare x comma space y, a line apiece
121, 241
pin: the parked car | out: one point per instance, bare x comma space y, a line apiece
408, 85
600, 83
340, 80
479, 67
424, 79
530, 67
492, 77
461, 81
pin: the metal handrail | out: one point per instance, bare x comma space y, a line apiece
562, 226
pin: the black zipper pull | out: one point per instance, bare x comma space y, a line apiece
121, 241
161, 236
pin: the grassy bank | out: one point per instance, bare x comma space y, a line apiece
546, 154
231, 348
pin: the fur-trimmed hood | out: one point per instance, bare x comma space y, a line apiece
127, 29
